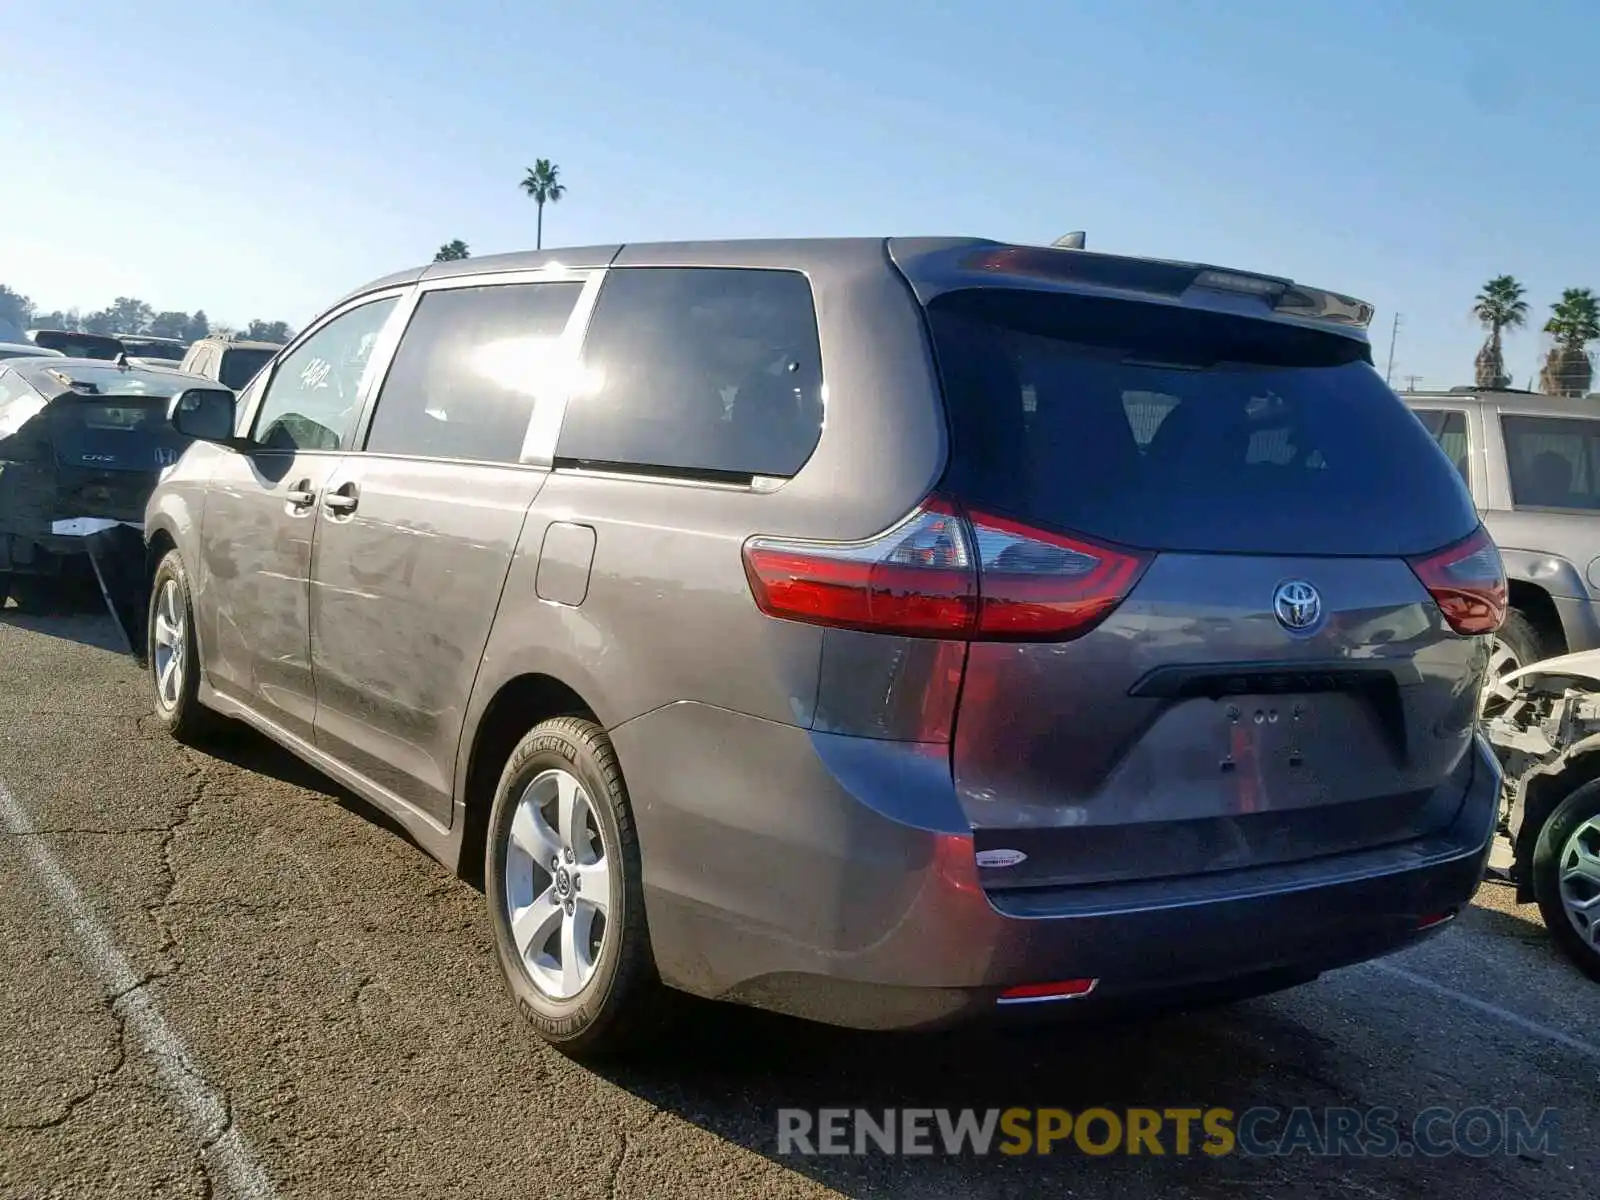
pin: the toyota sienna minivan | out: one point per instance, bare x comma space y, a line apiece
884, 632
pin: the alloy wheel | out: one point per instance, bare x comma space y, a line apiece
1579, 873
557, 884
1497, 694
167, 661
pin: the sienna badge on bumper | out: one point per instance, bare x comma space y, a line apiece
1000, 858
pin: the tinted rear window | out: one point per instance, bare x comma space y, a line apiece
80, 345
239, 367
163, 350
1169, 429
116, 418
1554, 462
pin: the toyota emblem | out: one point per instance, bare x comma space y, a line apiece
1297, 605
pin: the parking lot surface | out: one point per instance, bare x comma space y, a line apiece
223, 977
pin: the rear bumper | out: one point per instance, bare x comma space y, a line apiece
40, 552
855, 902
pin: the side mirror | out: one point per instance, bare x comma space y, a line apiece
205, 414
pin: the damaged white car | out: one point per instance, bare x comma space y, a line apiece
1544, 724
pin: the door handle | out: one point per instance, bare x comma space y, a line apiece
342, 499
300, 495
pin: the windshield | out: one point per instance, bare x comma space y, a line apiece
1176, 430
240, 366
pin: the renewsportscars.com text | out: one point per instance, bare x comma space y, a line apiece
1212, 1132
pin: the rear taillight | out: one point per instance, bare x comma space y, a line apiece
946, 573
1468, 583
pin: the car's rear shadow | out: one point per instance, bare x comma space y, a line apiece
73, 611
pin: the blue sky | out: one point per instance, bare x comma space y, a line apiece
213, 155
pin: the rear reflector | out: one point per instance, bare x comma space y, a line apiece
1038, 993
946, 573
1468, 583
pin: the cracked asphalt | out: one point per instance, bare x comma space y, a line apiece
258, 973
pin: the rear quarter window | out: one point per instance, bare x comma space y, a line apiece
1169, 429
1553, 462
711, 372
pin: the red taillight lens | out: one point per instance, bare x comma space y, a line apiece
1038, 584
942, 573
917, 579
1468, 583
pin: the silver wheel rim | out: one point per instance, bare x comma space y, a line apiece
167, 663
1580, 881
1497, 694
558, 884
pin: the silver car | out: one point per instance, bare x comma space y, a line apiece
886, 632
1533, 465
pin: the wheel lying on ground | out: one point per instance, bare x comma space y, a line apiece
1517, 644
173, 653
1566, 877
566, 901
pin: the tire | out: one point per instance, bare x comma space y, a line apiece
620, 1004
177, 707
1522, 639
1573, 827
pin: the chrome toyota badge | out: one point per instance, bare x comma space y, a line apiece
1297, 605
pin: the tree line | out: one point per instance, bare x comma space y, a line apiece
1573, 323
129, 315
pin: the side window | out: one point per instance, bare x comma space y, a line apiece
1554, 462
472, 366
312, 398
699, 371
1449, 429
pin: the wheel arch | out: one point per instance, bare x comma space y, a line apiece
1541, 796
517, 705
1539, 607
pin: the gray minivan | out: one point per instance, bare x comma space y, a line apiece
887, 632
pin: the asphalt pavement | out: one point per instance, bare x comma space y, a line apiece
223, 977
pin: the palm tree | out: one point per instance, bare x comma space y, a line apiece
1574, 323
1499, 306
452, 251
543, 185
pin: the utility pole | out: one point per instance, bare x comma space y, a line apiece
1412, 381
1394, 333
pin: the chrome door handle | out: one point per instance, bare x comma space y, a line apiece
300, 496
340, 501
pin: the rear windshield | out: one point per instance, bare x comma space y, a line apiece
239, 367
1554, 462
163, 350
119, 418
79, 345
1169, 429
